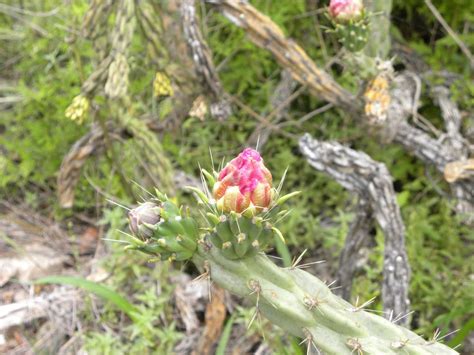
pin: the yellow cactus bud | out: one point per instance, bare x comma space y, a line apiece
162, 85
77, 111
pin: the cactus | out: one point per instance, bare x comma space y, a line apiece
229, 246
350, 22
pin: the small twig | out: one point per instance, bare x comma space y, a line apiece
451, 32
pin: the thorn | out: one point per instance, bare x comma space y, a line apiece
399, 318
253, 318
280, 185
296, 261
357, 308
142, 188
307, 265
331, 283
355, 345
397, 345
132, 237
274, 257
212, 158
206, 275
115, 240
310, 342
436, 335
118, 204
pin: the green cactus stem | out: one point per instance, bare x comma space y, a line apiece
352, 35
229, 248
304, 306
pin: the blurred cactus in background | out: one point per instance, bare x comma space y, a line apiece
350, 23
346, 10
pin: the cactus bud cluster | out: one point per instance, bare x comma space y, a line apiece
246, 208
162, 85
350, 23
162, 231
244, 185
346, 10
78, 109
144, 219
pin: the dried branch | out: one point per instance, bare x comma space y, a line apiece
71, 166
94, 143
220, 108
266, 34
452, 147
357, 172
59, 305
359, 230
279, 101
95, 20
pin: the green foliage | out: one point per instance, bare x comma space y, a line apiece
47, 71
150, 289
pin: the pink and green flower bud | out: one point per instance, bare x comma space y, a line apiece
143, 219
244, 185
342, 11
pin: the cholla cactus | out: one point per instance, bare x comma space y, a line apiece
77, 111
226, 245
117, 80
350, 23
244, 207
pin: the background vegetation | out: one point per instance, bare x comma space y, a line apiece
43, 63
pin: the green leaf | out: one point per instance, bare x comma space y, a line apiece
97, 289
283, 251
221, 347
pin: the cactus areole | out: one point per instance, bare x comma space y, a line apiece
238, 223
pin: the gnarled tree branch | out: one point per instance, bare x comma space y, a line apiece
357, 172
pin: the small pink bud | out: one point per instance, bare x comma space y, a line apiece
345, 10
245, 184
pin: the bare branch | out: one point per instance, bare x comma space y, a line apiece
266, 34
357, 172
359, 230
202, 58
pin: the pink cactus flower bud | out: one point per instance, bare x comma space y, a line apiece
345, 10
245, 184
142, 219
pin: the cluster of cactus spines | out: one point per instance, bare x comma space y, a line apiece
350, 22
228, 248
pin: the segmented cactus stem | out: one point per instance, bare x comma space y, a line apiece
304, 306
